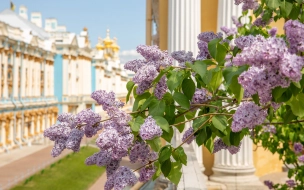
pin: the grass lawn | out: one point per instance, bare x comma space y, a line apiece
68, 173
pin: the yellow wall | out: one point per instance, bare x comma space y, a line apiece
265, 162
209, 15
163, 24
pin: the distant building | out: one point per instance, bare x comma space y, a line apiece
49, 71
28, 104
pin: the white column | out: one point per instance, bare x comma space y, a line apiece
236, 170
5, 87
227, 9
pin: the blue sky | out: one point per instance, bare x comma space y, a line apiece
124, 18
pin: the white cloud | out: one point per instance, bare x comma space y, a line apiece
129, 55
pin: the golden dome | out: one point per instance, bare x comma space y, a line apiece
107, 41
85, 29
114, 46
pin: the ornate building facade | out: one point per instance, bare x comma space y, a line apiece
48, 71
28, 104
174, 25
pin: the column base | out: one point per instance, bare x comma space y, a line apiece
237, 178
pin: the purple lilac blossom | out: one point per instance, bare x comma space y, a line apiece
182, 57
201, 96
298, 147
236, 22
272, 32
269, 184
261, 23
270, 129
91, 121
161, 88
142, 87
74, 139
220, 145
291, 66
208, 36
244, 41
301, 158
203, 51
122, 178
250, 5
112, 167
91, 160
295, 35
150, 129
146, 173
134, 65
145, 73
106, 99
187, 134
229, 31
248, 115
291, 183
228, 62
139, 151
59, 146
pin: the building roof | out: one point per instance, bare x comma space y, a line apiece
13, 19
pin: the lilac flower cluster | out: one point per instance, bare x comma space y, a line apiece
122, 178
187, 134
291, 183
298, 147
301, 158
147, 70
69, 132
146, 173
271, 66
201, 96
182, 57
220, 145
228, 62
244, 41
229, 31
114, 142
295, 35
141, 152
150, 129
269, 184
248, 115
262, 23
270, 129
272, 32
204, 38
236, 22
247, 4
161, 88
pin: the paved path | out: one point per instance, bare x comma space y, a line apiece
16, 167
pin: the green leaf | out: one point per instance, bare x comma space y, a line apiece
236, 89
179, 155
166, 167
157, 108
168, 135
230, 72
235, 138
175, 174
212, 47
277, 92
155, 144
297, 105
157, 172
179, 120
216, 80
221, 52
135, 125
188, 87
285, 8
162, 122
199, 67
170, 114
164, 153
294, 12
161, 74
273, 4
220, 122
130, 86
174, 80
288, 116
168, 98
181, 99
147, 103
209, 145
198, 122
139, 98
